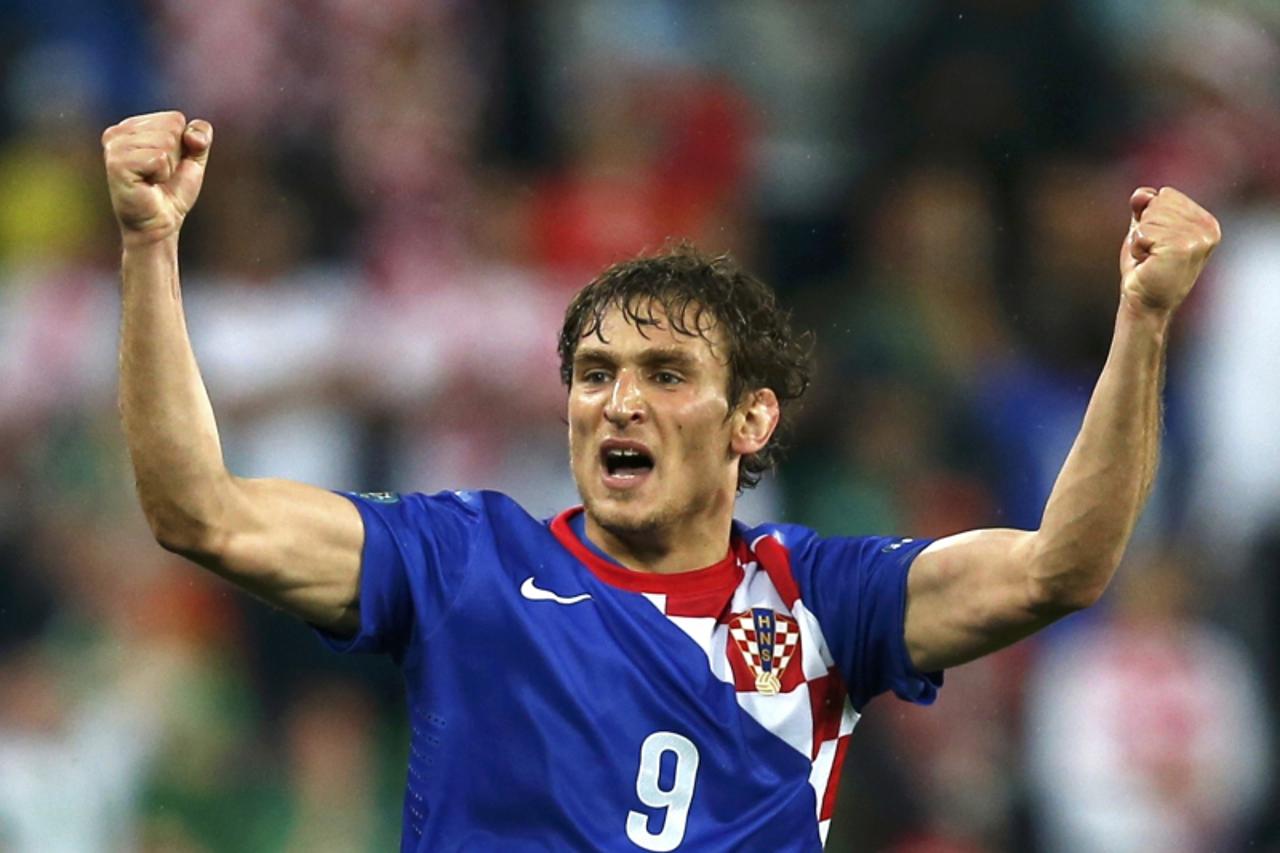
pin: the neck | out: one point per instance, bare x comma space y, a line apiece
696, 540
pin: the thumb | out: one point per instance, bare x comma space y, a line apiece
197, 139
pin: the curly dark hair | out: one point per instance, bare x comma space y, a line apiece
686, 285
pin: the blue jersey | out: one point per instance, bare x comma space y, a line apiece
559, 701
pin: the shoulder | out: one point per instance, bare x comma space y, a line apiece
457, 508
823, 567
804, 543
792, 537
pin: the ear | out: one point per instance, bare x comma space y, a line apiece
754, 422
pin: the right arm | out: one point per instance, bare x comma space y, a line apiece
295, 546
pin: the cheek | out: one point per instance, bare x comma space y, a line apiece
701, 430
579, 414
580, 422
577, 433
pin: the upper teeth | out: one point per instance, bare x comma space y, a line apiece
624, 452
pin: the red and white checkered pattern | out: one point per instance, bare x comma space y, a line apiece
811, 710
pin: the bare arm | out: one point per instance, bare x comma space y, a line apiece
295, 546
976, 592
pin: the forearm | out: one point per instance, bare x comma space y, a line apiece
168, 420
1104, 483
296, 546
975, 592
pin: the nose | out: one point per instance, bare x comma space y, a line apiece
626, 401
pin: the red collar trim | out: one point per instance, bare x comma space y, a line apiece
725, 574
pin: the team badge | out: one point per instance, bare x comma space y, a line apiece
767, 641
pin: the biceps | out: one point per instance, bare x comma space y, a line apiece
295, 546
969, 595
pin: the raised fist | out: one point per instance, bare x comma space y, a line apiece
1170, 239
155, 165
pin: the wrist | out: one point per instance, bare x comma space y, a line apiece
1134, 310
142, 242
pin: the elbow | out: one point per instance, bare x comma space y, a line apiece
1067, 577
1061, 594
181, 533
187, 522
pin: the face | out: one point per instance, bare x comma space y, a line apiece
653, 440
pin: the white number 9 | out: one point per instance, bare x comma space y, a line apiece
676, 799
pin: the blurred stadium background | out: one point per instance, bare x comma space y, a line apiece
401, 197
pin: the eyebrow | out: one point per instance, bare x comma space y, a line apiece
649, 357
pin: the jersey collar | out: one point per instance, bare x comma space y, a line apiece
725, 574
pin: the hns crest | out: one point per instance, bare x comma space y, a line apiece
767, 641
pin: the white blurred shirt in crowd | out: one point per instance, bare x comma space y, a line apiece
1144, 738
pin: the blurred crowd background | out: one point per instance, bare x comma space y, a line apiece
401, 198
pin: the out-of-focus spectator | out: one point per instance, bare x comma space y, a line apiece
70, 771
333, 763
909, 339
1233, 384
1147, 731
1029, 407
655, 155
963, 761
85, 704
53, 215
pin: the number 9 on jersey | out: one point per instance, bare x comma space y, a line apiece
675, 801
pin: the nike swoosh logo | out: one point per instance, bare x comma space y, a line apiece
536, 593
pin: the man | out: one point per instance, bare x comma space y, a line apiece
643, 672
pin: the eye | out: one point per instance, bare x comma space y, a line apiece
594, 376
666, 377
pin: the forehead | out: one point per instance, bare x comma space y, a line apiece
646, 325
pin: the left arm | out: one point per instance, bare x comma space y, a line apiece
976, 592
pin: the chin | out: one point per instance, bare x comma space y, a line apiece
622, 520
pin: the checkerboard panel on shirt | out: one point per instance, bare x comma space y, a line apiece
811, 712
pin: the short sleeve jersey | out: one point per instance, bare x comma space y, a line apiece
559, 701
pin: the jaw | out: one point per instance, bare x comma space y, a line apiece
645, 501
628, 530
659, 532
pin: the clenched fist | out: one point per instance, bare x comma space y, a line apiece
155, 165
1170, 239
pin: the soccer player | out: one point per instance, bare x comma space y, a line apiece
641, 672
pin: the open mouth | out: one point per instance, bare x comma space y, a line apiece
625, 463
